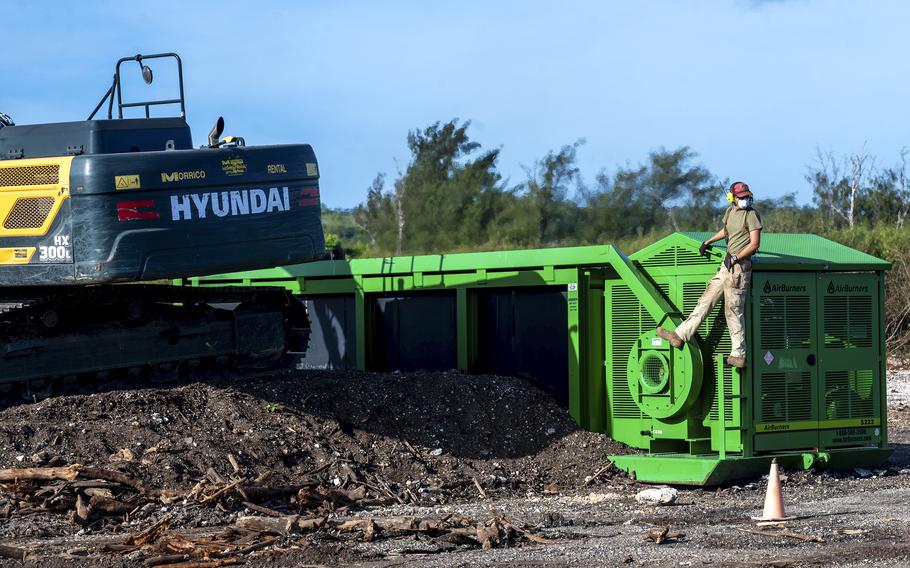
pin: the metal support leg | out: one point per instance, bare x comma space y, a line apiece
721, 409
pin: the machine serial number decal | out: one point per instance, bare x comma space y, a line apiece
229, 203
816, 425
311, 170
182, 176
233, 166
127, 182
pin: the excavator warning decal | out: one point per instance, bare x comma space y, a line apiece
127, 182
16, 255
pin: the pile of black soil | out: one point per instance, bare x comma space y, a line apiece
434, 433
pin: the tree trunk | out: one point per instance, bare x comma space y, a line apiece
399, 213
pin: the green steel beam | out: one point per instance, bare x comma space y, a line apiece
685, 469
591, 353
644, 290
882, 361
576, 304
361, 322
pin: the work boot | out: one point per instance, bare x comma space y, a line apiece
738, 362
675, 340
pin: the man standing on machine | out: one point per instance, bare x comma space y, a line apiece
742, 230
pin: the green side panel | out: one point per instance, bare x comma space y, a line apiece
818, 358
850, 370
784, 359
626, 318
624, 321
714, 339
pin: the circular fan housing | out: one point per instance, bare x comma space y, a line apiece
664, 382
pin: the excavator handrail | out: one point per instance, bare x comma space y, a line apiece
117, 88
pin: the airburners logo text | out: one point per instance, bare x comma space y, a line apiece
770, 288
847, 288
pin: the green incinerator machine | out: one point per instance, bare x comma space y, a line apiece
813, 391
812, 394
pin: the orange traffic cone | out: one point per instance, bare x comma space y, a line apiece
774, 500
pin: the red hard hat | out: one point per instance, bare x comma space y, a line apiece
740, 189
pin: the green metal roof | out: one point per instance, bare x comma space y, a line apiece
798, 251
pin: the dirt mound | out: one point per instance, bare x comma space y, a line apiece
432, 433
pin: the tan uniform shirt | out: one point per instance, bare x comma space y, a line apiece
738, 223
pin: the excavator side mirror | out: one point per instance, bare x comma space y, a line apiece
147, 75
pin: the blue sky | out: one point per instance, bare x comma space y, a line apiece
753, 86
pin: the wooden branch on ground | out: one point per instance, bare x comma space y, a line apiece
662, 535
165, 559
151, 533
271, 525
255, 492
109, 475
598, 473
68, 473
205, 563
13, 552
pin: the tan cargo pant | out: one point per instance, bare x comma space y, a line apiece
733, 285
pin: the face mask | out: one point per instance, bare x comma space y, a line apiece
744, 203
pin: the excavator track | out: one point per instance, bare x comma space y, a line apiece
143, 332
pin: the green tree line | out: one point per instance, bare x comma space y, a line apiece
450, 197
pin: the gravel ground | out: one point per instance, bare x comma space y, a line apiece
534, 466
